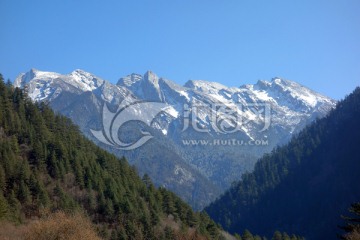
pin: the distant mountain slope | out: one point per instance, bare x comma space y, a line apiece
198, 112
46, 164
304, 186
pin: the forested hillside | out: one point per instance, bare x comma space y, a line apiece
303, 187
47, 165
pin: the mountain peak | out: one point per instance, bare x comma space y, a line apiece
79, 71
151, 77
33, 73
204, 86
33, 70
42, 84
84, 80
129, 80
277, 79
145, 87
136, 78
292, 93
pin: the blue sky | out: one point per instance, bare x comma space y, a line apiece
313, 42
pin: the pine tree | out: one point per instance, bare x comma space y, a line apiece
191, 218
169, 233
277, 236
285, 236
294, 237
24, 194
146, 179
14, 207
52, 166
212, 230
352, 227
3, 206
247, 235
2, 178
44, 200
168, 204
237, 236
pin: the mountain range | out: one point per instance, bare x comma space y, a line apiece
206, 135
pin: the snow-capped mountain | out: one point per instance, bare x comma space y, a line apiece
206, 136
49, 85
290, 101
291, 106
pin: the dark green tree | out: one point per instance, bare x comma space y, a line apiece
247, 235
3, 207
277, 236
352, 227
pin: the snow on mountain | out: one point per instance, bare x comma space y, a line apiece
291, 107
287, 98
38, 83
48, 85
288, 89
197, 111
84, 80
